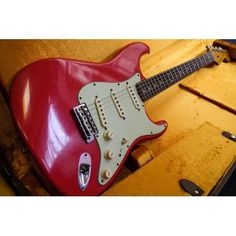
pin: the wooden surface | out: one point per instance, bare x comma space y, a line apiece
201, 157
183, 110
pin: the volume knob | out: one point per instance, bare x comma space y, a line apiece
108, 154
108, 135
106, 174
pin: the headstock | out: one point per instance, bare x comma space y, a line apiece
219, 54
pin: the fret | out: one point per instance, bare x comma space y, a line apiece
143, 90
161, 83
158, 83
209, 56
195, 65
166, 79
203, 61
198, 62
206, 62
172, 74
153, 84
179, 71
175, 72
190, 69
185, 69
192, 66
152, 88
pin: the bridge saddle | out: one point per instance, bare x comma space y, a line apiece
85, 122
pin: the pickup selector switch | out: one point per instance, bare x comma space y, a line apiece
108, 154
108, 135
106, 174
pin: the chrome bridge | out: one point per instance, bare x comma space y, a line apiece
85, 122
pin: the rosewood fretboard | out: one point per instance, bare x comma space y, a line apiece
150, 87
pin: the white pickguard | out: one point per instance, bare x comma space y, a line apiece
128, 121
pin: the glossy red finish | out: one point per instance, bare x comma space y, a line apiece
41, 98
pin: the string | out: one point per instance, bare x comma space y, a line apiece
122, 97
109, 97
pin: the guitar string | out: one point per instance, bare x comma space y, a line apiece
109, 97
109, 106
151, 78
110, 101
149, 94
132, 86
121, 95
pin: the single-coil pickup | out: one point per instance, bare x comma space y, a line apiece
101, 113
117, 105
133, 97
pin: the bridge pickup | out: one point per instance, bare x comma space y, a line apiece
101, 114
85, 122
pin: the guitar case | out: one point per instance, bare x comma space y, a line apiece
201, 158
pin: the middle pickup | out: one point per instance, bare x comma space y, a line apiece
117, 104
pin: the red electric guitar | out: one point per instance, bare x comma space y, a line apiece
80, 120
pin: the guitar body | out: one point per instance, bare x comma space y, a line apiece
80, 120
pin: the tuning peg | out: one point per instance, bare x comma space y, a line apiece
209, 47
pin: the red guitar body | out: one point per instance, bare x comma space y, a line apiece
42, 97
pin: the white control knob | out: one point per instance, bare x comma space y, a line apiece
108, 135
106, 174
108, 154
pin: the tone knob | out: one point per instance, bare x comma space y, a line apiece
108, 154
108, 135
106, 174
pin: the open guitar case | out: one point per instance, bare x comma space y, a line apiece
195, 157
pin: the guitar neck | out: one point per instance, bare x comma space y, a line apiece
154, 85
